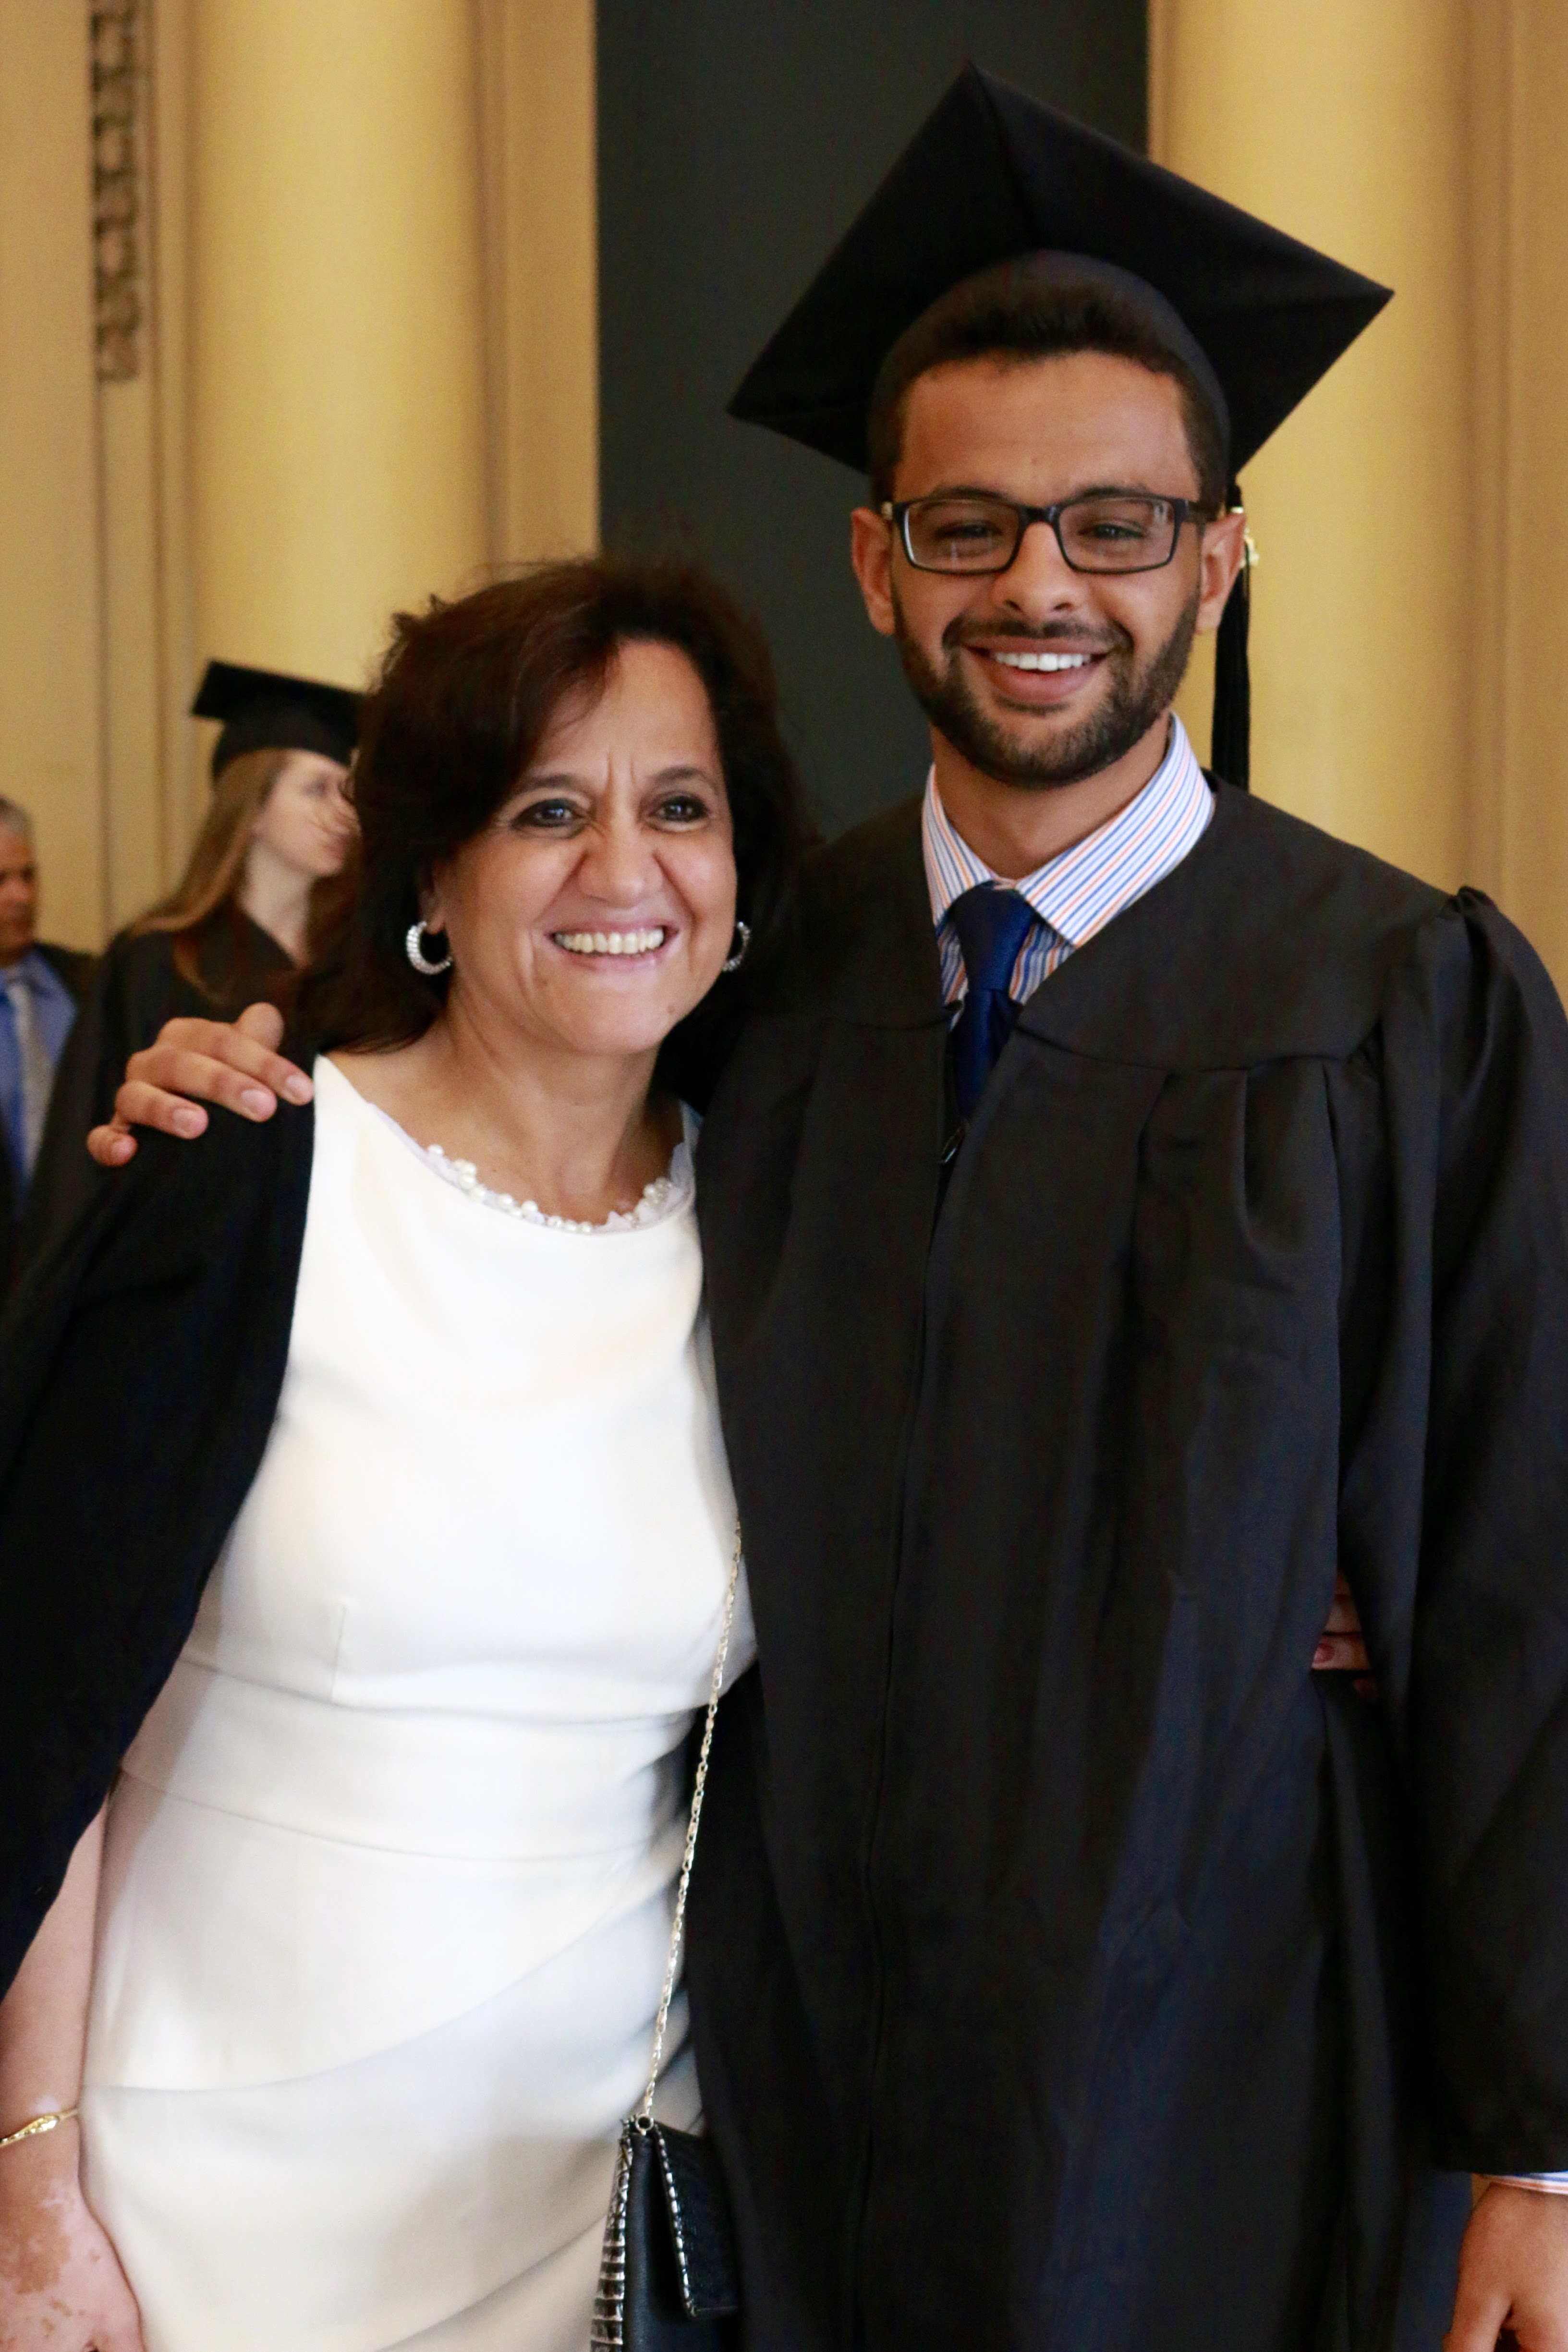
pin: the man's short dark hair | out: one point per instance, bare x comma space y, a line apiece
1011, 312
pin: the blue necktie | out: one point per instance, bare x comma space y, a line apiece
991, 924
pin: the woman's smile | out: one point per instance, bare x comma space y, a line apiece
621, 947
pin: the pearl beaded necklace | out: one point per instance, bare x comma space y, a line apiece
658, 1198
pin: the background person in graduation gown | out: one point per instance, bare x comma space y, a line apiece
40, 988
1097, 1262
278, 830
383, 1909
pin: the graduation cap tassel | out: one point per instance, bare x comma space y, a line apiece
1231, 753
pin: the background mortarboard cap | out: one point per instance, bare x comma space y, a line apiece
263, 710
992, 173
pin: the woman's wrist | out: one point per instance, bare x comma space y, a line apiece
42, 2169
38, 2126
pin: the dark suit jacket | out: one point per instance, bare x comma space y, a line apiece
72, 966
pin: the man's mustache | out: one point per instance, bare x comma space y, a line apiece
1053, 633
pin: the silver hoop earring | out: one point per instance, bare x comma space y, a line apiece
414, 948
744, 940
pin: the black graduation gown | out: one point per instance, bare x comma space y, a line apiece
137, 987
1070, 1968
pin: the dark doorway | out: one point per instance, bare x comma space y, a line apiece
736, 140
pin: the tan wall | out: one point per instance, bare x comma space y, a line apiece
1410, 608
1519, 731
368, 371
51, 702
337, 386
1411, 611
541, 270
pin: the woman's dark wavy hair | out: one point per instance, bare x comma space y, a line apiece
466, 694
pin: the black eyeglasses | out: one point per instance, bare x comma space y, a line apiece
1108, 531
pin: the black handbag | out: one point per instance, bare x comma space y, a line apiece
669, 2278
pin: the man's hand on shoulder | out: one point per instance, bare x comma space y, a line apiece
236, 1065
1513, 2273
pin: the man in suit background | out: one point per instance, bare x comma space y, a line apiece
40, 988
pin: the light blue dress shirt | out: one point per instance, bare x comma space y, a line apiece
54, 1010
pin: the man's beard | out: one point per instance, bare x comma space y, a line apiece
1136, 699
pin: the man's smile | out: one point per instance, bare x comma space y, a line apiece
1035, 677
1042, 661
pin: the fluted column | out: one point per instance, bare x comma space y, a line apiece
337, 407
1519, 734
1348, 126
538, 130
50, 686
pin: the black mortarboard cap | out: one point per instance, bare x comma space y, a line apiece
994, 174
263, 710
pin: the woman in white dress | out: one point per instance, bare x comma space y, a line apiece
351, 1980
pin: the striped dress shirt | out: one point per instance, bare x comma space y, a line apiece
1075, 895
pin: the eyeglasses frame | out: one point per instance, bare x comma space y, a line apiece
897, 512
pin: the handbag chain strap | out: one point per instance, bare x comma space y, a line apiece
644, 2115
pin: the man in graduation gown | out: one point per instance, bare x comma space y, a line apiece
1132, 1208
1069, 1967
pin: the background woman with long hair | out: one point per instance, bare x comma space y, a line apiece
254, 899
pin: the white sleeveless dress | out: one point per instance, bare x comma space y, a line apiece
389, 1871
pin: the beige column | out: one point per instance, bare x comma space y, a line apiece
144, 651
1346, 124
1518, 736
50, 704
541, 273
337, 402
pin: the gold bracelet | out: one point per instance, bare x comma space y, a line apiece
39, 2125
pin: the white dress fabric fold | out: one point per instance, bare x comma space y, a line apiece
389, 1871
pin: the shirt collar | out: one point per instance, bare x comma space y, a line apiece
39, 974
1079, 891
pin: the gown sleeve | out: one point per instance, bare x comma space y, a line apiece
141, 1356
1476, 1095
